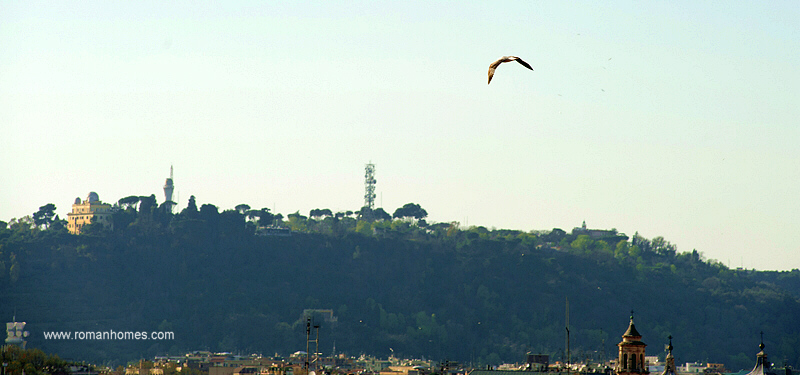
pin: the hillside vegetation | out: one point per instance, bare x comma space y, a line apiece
398, 285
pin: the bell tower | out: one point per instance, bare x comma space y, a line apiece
631, 353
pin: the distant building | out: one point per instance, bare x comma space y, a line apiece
400, 370
273, 231
219, 369
91, 210
246, 371
508, 372
537, 362
631, 353
715, 368
81, 370
131, 370
599, 234
693, 368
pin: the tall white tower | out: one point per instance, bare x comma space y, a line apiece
369, 186
168, 188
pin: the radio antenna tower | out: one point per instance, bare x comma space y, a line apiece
369, 186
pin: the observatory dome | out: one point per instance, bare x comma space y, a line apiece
93, 197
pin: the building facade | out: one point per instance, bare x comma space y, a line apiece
90, 210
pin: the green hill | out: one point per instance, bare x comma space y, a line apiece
477, 296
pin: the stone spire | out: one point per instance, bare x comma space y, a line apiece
669, 368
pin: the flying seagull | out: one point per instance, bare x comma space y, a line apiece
503, 59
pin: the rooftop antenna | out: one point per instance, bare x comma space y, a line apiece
603, 347
567, 327
308, 340
316, 342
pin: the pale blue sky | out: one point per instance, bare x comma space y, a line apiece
676, 119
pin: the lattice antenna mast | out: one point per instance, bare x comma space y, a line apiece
311, 362
369, 186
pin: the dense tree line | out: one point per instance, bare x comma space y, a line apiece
18, 361
438, 290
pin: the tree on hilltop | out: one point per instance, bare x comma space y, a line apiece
261, 217
191, 210
252, 215
147, 204
209, 211
129, 202
381, 214
318, 213
410, 210
44, 217
242, 208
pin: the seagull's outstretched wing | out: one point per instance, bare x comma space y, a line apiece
524, 63
491, 74
503, 59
